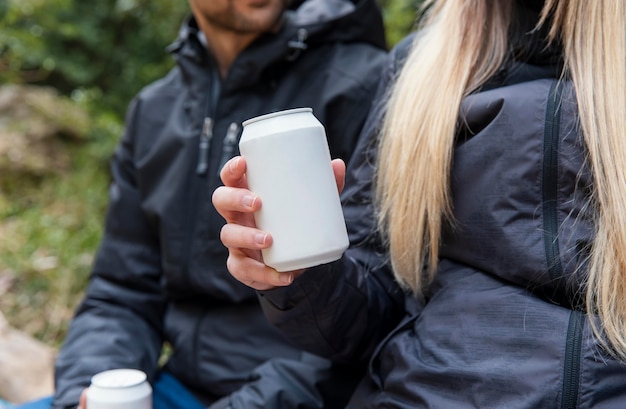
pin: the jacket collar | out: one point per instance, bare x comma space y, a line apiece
307, 24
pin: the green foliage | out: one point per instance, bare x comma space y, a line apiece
399, 16
49, 231
108, 49
99, 54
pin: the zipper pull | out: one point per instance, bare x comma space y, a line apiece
228, 148
203, 148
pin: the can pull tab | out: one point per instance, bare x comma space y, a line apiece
228, 148
203, 147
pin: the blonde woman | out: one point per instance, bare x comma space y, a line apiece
498, 186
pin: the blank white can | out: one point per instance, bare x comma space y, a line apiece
119, 389
289, 168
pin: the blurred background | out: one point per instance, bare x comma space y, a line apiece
68, 69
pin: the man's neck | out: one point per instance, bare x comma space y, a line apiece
225, 45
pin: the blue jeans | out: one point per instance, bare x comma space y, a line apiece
167, 393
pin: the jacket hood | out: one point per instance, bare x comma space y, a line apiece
306, 24
338, 21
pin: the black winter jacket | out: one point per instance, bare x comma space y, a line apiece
160, 273
503, 325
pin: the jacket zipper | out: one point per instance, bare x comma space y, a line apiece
228, 146
202, 166
550, 183
201, 170
204, 146
571, 366
206, 137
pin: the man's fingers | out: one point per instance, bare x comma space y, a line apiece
254, 273
231, 200
235, 236
237, 205
245, 261
83, 400
233, 172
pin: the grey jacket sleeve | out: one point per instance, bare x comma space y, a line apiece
118, 324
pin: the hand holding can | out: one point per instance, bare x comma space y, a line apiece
289, 168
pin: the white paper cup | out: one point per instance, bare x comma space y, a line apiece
289, 169
119, 389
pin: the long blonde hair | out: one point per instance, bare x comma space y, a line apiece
461, 44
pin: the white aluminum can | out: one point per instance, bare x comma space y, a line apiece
289, 169
119, 389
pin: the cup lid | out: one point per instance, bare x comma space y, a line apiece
118, 378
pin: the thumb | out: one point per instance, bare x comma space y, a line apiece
83, 400
339, 169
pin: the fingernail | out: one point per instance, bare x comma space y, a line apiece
232, 166
260, 238
248, 201
285, 278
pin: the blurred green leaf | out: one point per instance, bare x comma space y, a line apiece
113, 46
399, 17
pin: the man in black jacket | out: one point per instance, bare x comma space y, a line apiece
160, 274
